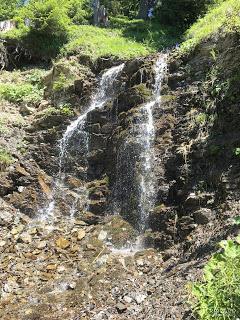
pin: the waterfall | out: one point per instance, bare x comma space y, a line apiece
75, 140
135, 180
146, 138
103, 94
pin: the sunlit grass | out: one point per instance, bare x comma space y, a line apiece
220, 20
96, 42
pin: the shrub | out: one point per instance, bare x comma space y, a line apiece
8, 9
18, 93
78, 11
5, 159
217, 297
48, 17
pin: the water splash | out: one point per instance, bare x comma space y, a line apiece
146, 140
133, 193
76, 132
102, 96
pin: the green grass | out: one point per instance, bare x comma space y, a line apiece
22, 86
219, 20
124, 39
150, 33
5, 159
97, 42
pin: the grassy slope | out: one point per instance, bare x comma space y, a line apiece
97, 42
221, 19
124, 39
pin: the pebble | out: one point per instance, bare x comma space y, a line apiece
81, 234
139, 298
102, 235
121, 307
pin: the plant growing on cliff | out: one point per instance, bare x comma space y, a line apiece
18, 93
217, 296
5, 159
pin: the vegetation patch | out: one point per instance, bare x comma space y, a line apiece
221, 19
20, 93
5, 159
97, 42
217, 296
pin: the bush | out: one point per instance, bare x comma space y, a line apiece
217, 297
79, 11
21, 93
8, 9
5, 159
48, 17
181, 13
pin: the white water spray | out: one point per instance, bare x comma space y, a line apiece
146, 140
104, 93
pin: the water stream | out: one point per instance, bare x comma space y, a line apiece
135, 186
75, 139
134, 191
146, 138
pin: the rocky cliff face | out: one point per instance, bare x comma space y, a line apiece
197, 191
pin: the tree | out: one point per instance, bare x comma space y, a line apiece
48, 17
181, 13
143, 8
8, 9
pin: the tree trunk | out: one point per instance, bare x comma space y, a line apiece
144, 7
96, 6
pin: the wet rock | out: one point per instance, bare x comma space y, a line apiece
102, 235
140, 298
121, 307
133, 97
203, 216
90, 218
97, 207
120, 232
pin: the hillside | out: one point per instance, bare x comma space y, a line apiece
119, 162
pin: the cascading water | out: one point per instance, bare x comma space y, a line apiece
104, 93
75, 139
135, 185
146, 138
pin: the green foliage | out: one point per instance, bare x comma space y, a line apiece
237, 152
151, 33
180, 13
61, 82
18, 93
5, 159
224, 17
217, 297
48, 17
128, 8
64, 110
237, 219
78, 11
8, 9
201, 118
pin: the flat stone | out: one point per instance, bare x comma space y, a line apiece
62, 243
102, 235
121, 307
81, 234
